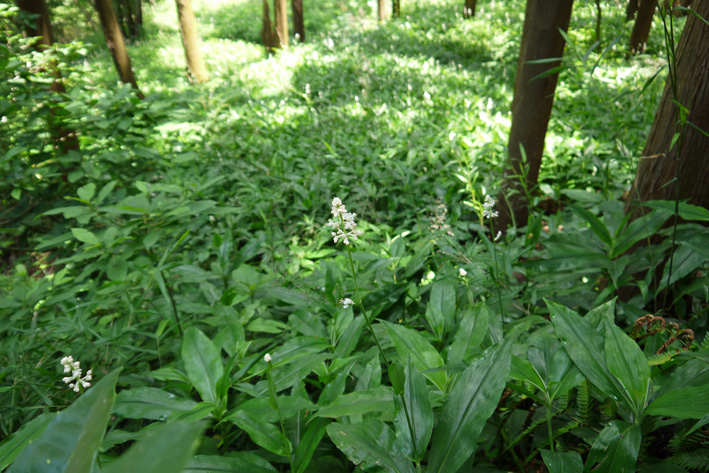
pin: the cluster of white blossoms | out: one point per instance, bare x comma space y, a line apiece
343, 223
462, 272
267, 357
75, 380
489, 208
346, 302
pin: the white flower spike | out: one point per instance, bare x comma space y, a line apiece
462, 272
489, 208
75, 381
346, 302
267, 358
343, 218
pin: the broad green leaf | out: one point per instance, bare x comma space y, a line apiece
84, 236
86, 192
616, 449
359, 402
149, 403
71, 440
13, 445
562, 462
308, 443
370, 442
164, 450
236, 462
471, 332
350, 337
685, 403
523, 370
686, 211
262, 433
585, 347
440, 311
471, 402
203, 364
597, 226
628, 364
639, 229
424, 356
413, 421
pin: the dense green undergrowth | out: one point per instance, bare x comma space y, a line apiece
183, 240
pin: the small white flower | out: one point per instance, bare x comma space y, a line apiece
489, 207
267, 358
75, 381
462, 272
346, 302
499, 235
345, 219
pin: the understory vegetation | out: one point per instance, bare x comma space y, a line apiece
181, 253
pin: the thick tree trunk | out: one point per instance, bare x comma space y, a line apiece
268, 32
116, 44
396, 8
190, 40
670, 170
282, 22
64, 139
532, 104
643, 23
298, 19
469, 8
631, 9
382, 10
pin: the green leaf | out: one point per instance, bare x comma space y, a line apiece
84, 236
440, 311
350, 337
685, 403
597, 225
627, 362
616, 449
686, 211
471, 402
236, 462
370, 442
424, 356
639, 229
413, 421
378, 399
262, 433
71, 440
13, 445
562, 462
203, 364
149, 403
586, 348
471, 332
164, 450
308, 443
86, 192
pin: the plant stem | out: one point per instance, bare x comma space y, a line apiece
549, 429
495, 276
364, 312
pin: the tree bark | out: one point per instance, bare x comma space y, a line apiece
670, 170
396, 8
643, 23
469, 8
116, 44
631, 9
382, 7
129, 21
282, 22
268, 32
190, 40
532, 105
298, 19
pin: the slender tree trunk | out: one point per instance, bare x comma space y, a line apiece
532, 105
643, 23
282, 22
396, 8
116, 44
382, 7
298, 19
129, 21
64, 139
669, 169
268, 31
631, 9
469, 8
138, 8
599, 20
190, 40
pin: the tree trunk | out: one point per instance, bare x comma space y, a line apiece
669, 170
643, 23
64, 138
599, 20
138, 8
116, 44
129, 21
298, 19
532, 104
190, 40
382, 7
469, 8
631, 9
268, 32
282, 22
396, 8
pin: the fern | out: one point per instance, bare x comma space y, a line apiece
660, 358
584, 402
704, 346
697, 460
